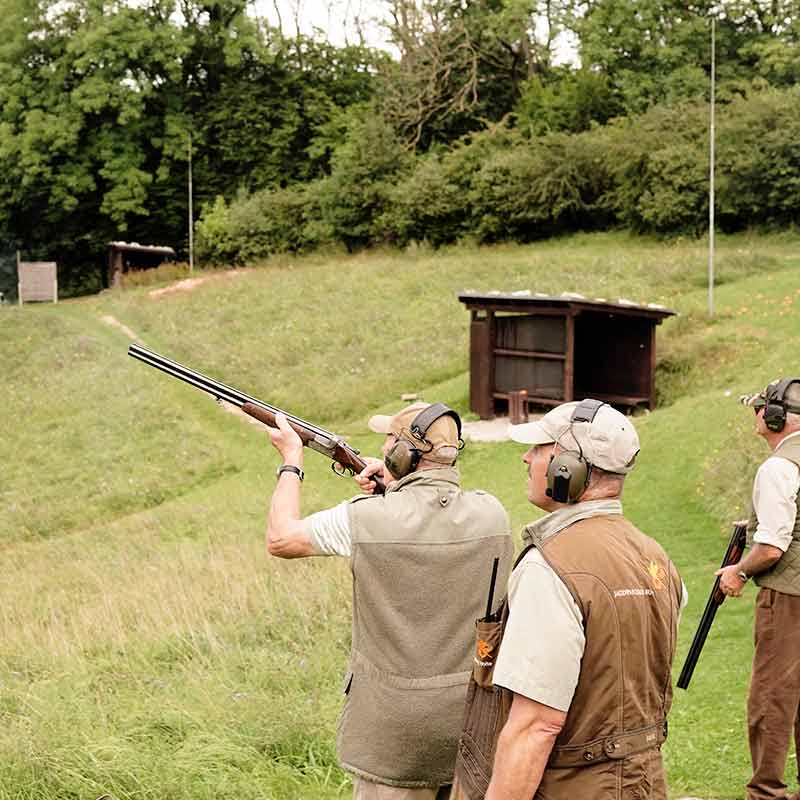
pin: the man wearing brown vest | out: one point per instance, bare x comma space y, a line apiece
581, 684
773, 561
416, 554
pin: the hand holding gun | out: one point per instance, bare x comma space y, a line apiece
732, 556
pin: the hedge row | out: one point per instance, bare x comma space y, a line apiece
648, 174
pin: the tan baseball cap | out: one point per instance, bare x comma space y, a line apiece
442, 434
609, 441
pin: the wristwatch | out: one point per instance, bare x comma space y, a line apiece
742, 576
290, 468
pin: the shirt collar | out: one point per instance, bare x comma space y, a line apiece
549, 525
786, 439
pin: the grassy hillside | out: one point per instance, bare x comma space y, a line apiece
149, 648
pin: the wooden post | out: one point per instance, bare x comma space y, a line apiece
569, 361
481, 372
518, 407
191, 213
19, 281
651, 402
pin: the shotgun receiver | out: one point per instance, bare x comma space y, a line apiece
732, 555
346, 460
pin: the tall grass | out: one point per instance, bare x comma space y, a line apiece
149, 648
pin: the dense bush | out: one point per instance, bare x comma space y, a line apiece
648, 173
660, 170
759, 161
256, 226
353, 200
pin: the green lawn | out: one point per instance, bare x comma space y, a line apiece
150, 649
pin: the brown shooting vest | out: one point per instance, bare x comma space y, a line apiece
784, 575
419, 554
629, 594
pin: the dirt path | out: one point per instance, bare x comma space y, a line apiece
108, 319
115, 323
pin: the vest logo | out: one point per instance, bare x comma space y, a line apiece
484, 649
657, 574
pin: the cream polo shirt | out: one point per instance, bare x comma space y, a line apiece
775, 500
329, 531
544, 640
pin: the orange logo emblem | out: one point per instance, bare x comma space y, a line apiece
484, 649
657, 574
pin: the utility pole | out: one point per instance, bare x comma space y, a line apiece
191, 218
711, 177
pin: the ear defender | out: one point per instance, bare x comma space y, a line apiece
774, 417
775, 408
568, 472
402, 459
567, 476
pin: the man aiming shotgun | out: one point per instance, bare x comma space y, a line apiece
416, 553
417, 545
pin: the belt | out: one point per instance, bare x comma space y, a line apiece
609, 748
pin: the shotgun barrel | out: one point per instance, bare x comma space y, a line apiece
313, 436
732, 555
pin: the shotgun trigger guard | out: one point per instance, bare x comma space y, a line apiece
341, 470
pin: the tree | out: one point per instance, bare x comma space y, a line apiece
656, 51
98, 100
464, 64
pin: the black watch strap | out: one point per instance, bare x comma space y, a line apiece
290, 468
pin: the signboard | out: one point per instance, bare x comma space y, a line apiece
38, 280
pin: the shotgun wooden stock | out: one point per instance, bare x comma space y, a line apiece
346, 460
732, 556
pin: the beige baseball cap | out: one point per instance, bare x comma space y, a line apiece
609, 441
442, 434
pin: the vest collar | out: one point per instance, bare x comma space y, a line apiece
542, 529
786, 439
426, 477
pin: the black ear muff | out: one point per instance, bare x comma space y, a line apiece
774, 417
567, 476
402, 459
775, 408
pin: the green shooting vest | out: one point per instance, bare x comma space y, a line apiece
421, 562
784, 575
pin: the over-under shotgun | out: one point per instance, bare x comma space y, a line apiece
346, 460
732, 556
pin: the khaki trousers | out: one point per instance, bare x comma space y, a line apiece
774, 698
367, 790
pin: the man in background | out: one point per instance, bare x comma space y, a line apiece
773, 561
